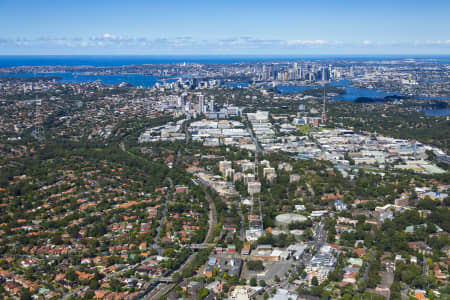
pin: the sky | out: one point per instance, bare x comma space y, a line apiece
225, 27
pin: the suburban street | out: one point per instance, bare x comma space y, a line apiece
160, 289
318, 241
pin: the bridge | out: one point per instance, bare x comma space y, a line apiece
201, 246
166, 279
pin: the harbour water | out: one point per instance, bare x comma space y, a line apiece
352, 93
145, 81
133, 79
440, 112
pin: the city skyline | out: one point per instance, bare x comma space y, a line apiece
252, 150
209, 28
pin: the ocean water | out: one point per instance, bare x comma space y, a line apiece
122, 60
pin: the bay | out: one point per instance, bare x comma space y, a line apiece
442, 112
352, 92
114, 79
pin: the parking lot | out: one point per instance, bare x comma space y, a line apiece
271, 269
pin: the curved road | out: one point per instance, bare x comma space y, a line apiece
164, 288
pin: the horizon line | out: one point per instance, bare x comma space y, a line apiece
237, 54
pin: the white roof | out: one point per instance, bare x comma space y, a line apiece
276, 253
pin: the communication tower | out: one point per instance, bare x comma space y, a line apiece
324, 108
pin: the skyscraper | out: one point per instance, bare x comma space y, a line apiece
325, 74
211, 105
201, 103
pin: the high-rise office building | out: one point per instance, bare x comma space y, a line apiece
201, 103
211, 105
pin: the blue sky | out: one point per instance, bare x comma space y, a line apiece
224, 27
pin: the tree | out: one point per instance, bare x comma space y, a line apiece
115, 285
253, 281
176, 277
447, 201
331, 238
71, 275
73, 230
426, 203
203, 293
93, 284
314, 281
262, 283
169, 252
26, 295
324, 296
255, 265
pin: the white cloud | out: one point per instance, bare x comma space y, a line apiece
110, 41
438, 42
305, 42
109, 36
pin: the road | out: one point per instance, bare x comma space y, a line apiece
212, 219
241, 225
163, 288
161, 221
113, 275
255, 141
366, 270
320, 234
108, 277
122, 147
404, 294
424, 267
186, 131
310, 189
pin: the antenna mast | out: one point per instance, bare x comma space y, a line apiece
324, 109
